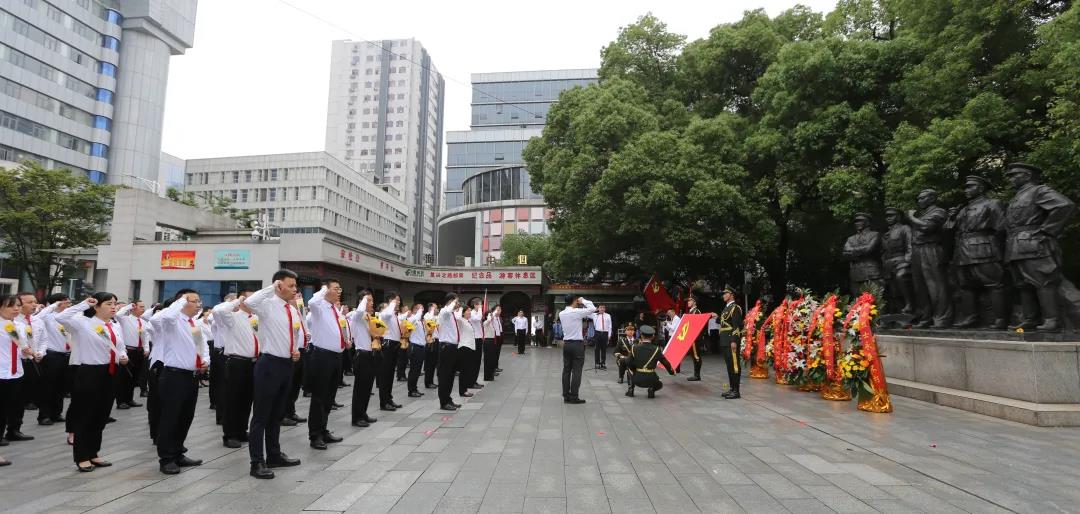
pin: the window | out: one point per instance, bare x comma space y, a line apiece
99, 150
274, 174
113, 17
233, 194
247, 175
401, 69
111, 43
367, 84
103, 123
107, 69
400, 110
235, 180
273, 194
243, 195
399, 123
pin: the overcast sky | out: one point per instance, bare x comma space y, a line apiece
256, 81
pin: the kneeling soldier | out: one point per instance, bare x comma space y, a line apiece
642, 363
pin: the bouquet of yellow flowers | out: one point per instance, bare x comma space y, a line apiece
11, 332
430, 326
376, 327
407, 329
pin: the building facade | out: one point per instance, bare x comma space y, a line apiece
385, 120
82, 83
487, 192
308, 193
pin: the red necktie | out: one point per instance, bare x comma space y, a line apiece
140, 330
256, 336
198, 356
112, 351
14, 358
457, 334
337, 322
292, 334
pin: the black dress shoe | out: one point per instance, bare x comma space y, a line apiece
396, 405
45, 422
101, 463
4, 442
431, 387
466, 394
134, 404
59, 419
334, 406
258, 470
288, 422
307, 394
318, 444
170, 468
110, 419
297, 418
574, 401
401, 379
449, 406
693, 379
4, 462
498, 370
361, 424
142, 394
123, 406
19, 436
331, 438
281, 461
186, 462
338, 405
232, 443
387, 407
370, 419
415, 394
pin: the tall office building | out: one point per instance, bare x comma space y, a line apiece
82, 83
487, 192
385, 120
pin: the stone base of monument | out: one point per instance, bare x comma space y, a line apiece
1000, 374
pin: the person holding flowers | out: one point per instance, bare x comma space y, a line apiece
431, 352
13, 347
417, 347
364, 363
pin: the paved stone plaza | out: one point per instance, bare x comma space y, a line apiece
516, 447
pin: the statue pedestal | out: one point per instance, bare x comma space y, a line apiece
1030, 378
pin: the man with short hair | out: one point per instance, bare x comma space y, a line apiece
449, 336
235, 326
391, 345
280, 342
577, 310
601, 336
30, 382
131, 324
324, 360
57, 375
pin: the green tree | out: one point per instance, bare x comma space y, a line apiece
536, 247
43, 212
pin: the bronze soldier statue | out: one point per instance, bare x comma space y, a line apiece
1034, 220
928, 262
978, 252
864, 250
896, 256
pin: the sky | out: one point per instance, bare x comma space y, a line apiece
256, 81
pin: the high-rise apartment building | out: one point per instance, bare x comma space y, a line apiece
487, 191
82, 83
385, 120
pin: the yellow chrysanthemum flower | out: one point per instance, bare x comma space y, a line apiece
99, 329
9, 327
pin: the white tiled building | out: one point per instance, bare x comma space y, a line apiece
385, 119
308, 193
82, 83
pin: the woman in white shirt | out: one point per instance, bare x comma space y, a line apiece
13, 347
100, 349
466, 350
431, 353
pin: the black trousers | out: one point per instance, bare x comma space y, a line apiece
521, 337
178, 392
498, 350
91, 401
714, 341
731, 361
153, 402
384, 379
11, 405
448, 365
217, 378
272, 383
295, 383
646, 380
468, 360
416, 365
600, 343
695, 355
55, 382
402, 362
348, 355
431, 362
364, 368
491, 352
573, 361
239, 388
321, 376
31, 382
127, 376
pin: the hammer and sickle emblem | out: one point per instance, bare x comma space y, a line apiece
682, 333
656, 288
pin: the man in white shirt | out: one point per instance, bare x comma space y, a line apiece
521, 331
577, 310
234, 326
184, 352
497, 324
491, 348
364, 364
131, 324
280, 339
601, 336
431, 352
328, 340
30, 382
449, 336
57, 374
417, 348
391, 345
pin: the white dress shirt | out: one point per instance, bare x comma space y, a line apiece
234, 329
183, 344
132, 325
465, 328
418, 335
672, 325
390, 318
55, 337
571, 319
602, 322
11, 355
714, 325
447, 330
479, 325
521, 323
358, 321
496, 323
35, 337
327, 325
276, 336
91, 346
